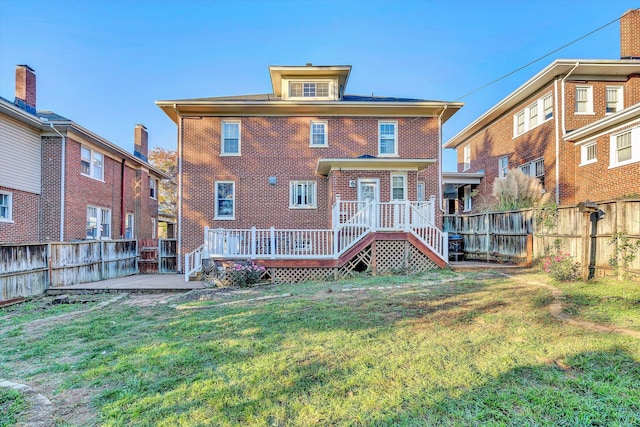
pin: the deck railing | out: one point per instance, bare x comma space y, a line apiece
352, 221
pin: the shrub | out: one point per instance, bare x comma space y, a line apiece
560, 266
244, 274
518, 191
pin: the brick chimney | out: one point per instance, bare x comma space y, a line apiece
26, 88
630, 34
141, 142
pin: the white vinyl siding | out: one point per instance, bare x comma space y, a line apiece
6, 207
530, 117
588, 153
584, 100
230, 138
302, 195
20, 156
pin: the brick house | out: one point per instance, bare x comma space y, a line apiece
61, 182
535, 128
295, 170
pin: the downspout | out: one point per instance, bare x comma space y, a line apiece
440, 190
63, 159
122, 207
564, 131
179, 231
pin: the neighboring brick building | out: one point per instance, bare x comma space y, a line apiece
529, 128
281, 159
61, 182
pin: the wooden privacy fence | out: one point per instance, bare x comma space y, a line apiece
494, 236
588, 236
157, 256
30, 269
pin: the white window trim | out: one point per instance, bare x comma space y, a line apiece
526, 114
467, 199
9, 219
330, 90
129, 215
620, 105
502, 171
395, 138
326, 133
99, 231
466, 157
222, 152
155, 188
403, 175
314, 186
635, 148
589, 100
92, 153
583, 153
215, 208
421, 195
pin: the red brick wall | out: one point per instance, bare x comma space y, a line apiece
279, 146
25, 211
51, 152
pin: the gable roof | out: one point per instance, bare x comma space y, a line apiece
579, 69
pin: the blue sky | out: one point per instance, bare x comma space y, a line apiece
104, 63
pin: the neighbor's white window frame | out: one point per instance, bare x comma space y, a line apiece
588, 153
225, 136
503, 166
467, 199
218, 199
386, 137
634, 146
153, 188
129, 220
93, 162
619, 101
392, 185
466, 157
6, 205
103, 227
303, 194
314, 128
587, 90
533, 116
421, 191
547, 106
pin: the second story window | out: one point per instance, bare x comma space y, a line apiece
503, 166
547, 104
318, 134
387, 138
230, 144
535, 114
153, 188
466, 152
91, 163
584, 100
614, 99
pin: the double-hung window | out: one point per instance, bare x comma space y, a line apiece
302, 195
535, 114
466, 152
387, 138
398, 186
584, 100
153, 188
319, 134
624, 151
91, 163
588, 153
128, 226
520, 123
547, 103
98, 223
230, 144
5, 207
467, 199
225, 197
503, 166
614, 99
534, 168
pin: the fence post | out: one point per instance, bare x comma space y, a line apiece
407, 215
272, 242
336, 242
253, 242
102, 260
486, 226
586, 225
49, 267
336, 212
159, 258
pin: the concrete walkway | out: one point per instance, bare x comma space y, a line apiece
136, 283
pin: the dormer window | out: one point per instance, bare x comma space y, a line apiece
302, 89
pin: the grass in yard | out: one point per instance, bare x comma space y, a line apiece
11, 404
604, 301
438, 349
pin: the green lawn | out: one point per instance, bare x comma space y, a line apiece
436, 349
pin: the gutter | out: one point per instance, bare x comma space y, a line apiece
179, 230
62, 178
564, 131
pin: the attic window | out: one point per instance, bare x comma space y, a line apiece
308, 89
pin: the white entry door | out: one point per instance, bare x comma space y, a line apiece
369, 191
